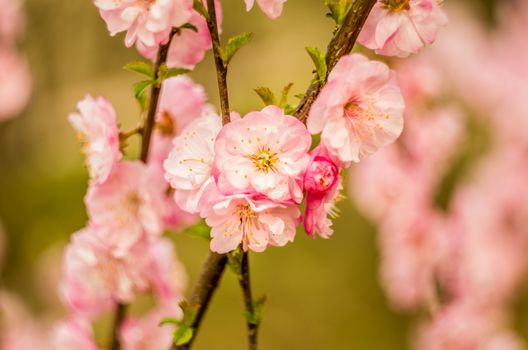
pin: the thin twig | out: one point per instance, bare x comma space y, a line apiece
119, 318
221, 66
340, 45
245, 283
203, 292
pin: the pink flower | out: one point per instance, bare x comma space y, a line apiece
187, 47
359, 110
254, 222
129, 204
189, 166
95, 278
149, 22
96, 125
11, 21
402, 27
15, 83
264, 152
181, 101
321, 183
272, 8
73, 333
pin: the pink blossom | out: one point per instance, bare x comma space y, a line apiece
147, 22
255, 222
73, 333
189, 166
95, 278
272, 8
15, 83
129, 204
322, 186
264, 152
96, 126
402, 27
359, 110
11, 21
187, 47
181, 101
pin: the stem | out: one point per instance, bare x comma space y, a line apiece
154, 97
245, 283
221, 67
203, 292
341, 44
119, 318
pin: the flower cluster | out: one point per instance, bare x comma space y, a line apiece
452, 239
15, 82
247, 178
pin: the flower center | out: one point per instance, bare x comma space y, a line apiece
264, 160
244, 213
396, 5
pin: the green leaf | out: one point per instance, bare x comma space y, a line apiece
140, 67
140, 93
266, 95
165, 72
234, 44
183, 335
170, 320
190, 26
319, 60
338, 10
234, 261
284, 97
199, 230
200, 8
172, 72
256, 317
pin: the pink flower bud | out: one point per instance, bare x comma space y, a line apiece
321, 175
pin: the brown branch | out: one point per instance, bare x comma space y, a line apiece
119, 318
203, 292
340, 45
245, 283
221, 66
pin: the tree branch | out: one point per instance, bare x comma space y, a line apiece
245, 282
340, 45
119, 318
221, 66
203, 292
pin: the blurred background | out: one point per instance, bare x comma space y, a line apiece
321, 294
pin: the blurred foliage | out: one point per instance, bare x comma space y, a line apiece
322, 294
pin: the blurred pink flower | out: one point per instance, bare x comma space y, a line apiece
272, 8
402, 27
97, 127
15, 82
359, 110
129, 205
148, 22
264, 152
254, 222
73, 333
188, 168
11, 21
322, 186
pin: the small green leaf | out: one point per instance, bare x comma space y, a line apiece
266, 95
140, 67
284, 97
338, 10
170, 320
190, 26
199, 230
234, 261
256, 317
200, 8
165, 72
172, 72
319, 60
183, 335
140, 93
289, 109
234, 44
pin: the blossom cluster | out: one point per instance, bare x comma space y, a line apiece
15, 82
451, 214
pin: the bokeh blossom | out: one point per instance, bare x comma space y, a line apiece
272, 8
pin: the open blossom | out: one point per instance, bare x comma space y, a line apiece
149, 22
15, 83
272, 8
73, 333
401, 27
264, 152
188, 47
359, 110
253, 221
189, 166
129, 204
321, 183
96, 125
181, 101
